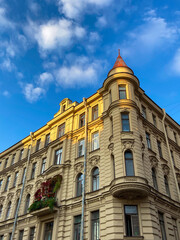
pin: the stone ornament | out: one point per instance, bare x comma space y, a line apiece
178, 177
127, 143
2, 200
166, 169
18, 193
94, 160
79, 167
111, 147
28, 188
153, 161
38, 183
10, 196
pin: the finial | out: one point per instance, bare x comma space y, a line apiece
118, 52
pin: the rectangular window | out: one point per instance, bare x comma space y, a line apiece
175, 137
148, 140
47, 141
175, 229
82, 120
162, 226
33, 170
7, 183
144, 111
10, 236
154, 179
172, 156
38, 144
129, 163
58, 156
95, 225
95, 141
43, 165
21, 154
154, 120
15, 179
81, 148
167, 186
24, 173
110, 96
2, 237
159, 148
21, 233
122, 92
125, 122
48, 231
77, 227
31, 233
94, 112
132, 221
61, 130
13, 159
6, 163
1, 181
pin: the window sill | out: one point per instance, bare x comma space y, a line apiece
126, 132
133, 238
94, 150
79, 157
151, 151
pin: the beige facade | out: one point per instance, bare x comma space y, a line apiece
132, 169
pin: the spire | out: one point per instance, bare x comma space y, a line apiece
119, 61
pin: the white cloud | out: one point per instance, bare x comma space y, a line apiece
55, 33
101, 22
6, 93
74, 9
7, 65
45, 79
175, 63
4, 21
32, 93
34, 7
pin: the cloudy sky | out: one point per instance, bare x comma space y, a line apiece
52, 49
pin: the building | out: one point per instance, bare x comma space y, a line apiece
132, 153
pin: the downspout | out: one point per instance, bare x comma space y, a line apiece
84, 175
169, 152
22, 189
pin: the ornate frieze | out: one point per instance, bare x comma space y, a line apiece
153, 161
166, 169
28, 188
127, 144
111, 147
2, 200
94, 160
78, 167
10, 196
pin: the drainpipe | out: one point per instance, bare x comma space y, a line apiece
169, 152
84, 175
22, 189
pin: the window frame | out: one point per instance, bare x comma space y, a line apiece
159, 148
77, 227
33, 170
154, 119
47, 140
81, 150
125, 122
79, 182
31, 234
6, 163
58, 157
21, 234
7, 183
144, 113
15, 178
95, 179
95, 112
43, 165
129, 224
61, 130
27, 203
95, 225
154, 178
13, 158
82, 120
166, 183
21, 154
128, 163
95, 140
38, 143
47, 230
122, 91
162, 225
148, 140
8, 210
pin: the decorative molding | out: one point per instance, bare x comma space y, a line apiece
10, 196
28, 188
94, 160
38, 183
153, 161
18, 193
127, 143
111, 147
166, 169
2, 200
78, 167
178, 177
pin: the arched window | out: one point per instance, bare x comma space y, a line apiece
129, 163
8, 210
1, 208
167, 186
79, 181
27, 203
154, 179
95, 179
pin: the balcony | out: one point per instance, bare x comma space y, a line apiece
130, 187
44, 211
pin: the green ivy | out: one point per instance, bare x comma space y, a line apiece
47, 202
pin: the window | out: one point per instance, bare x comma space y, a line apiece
15, 179
148, 140
175, 229
110, 96
2, 237
166, 186
21, 233
27, 204
31, 233
8, 210
47, 141
6, 163
111, 119
125, 122
48, 231
58, 156
154, 120
95, 179
28, 151
64, 107
175, 138
154, 179
132, 221
61, 130
13, 159
129, 163
17, 202
95, 225
159, 148
43, 165
162, 226
172, 156
122, 92
1, 181
82, 120
21, 154
7, 183
38, 144
1, 208
79, 182
77, 227
33, 170
94, 112
95, 141
10, 236
166, 130
144, 111
81, 148
24, 174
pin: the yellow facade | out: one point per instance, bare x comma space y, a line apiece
138, 158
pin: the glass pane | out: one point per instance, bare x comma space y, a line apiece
129, 168
131, 209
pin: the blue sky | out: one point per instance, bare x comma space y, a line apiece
52, 49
